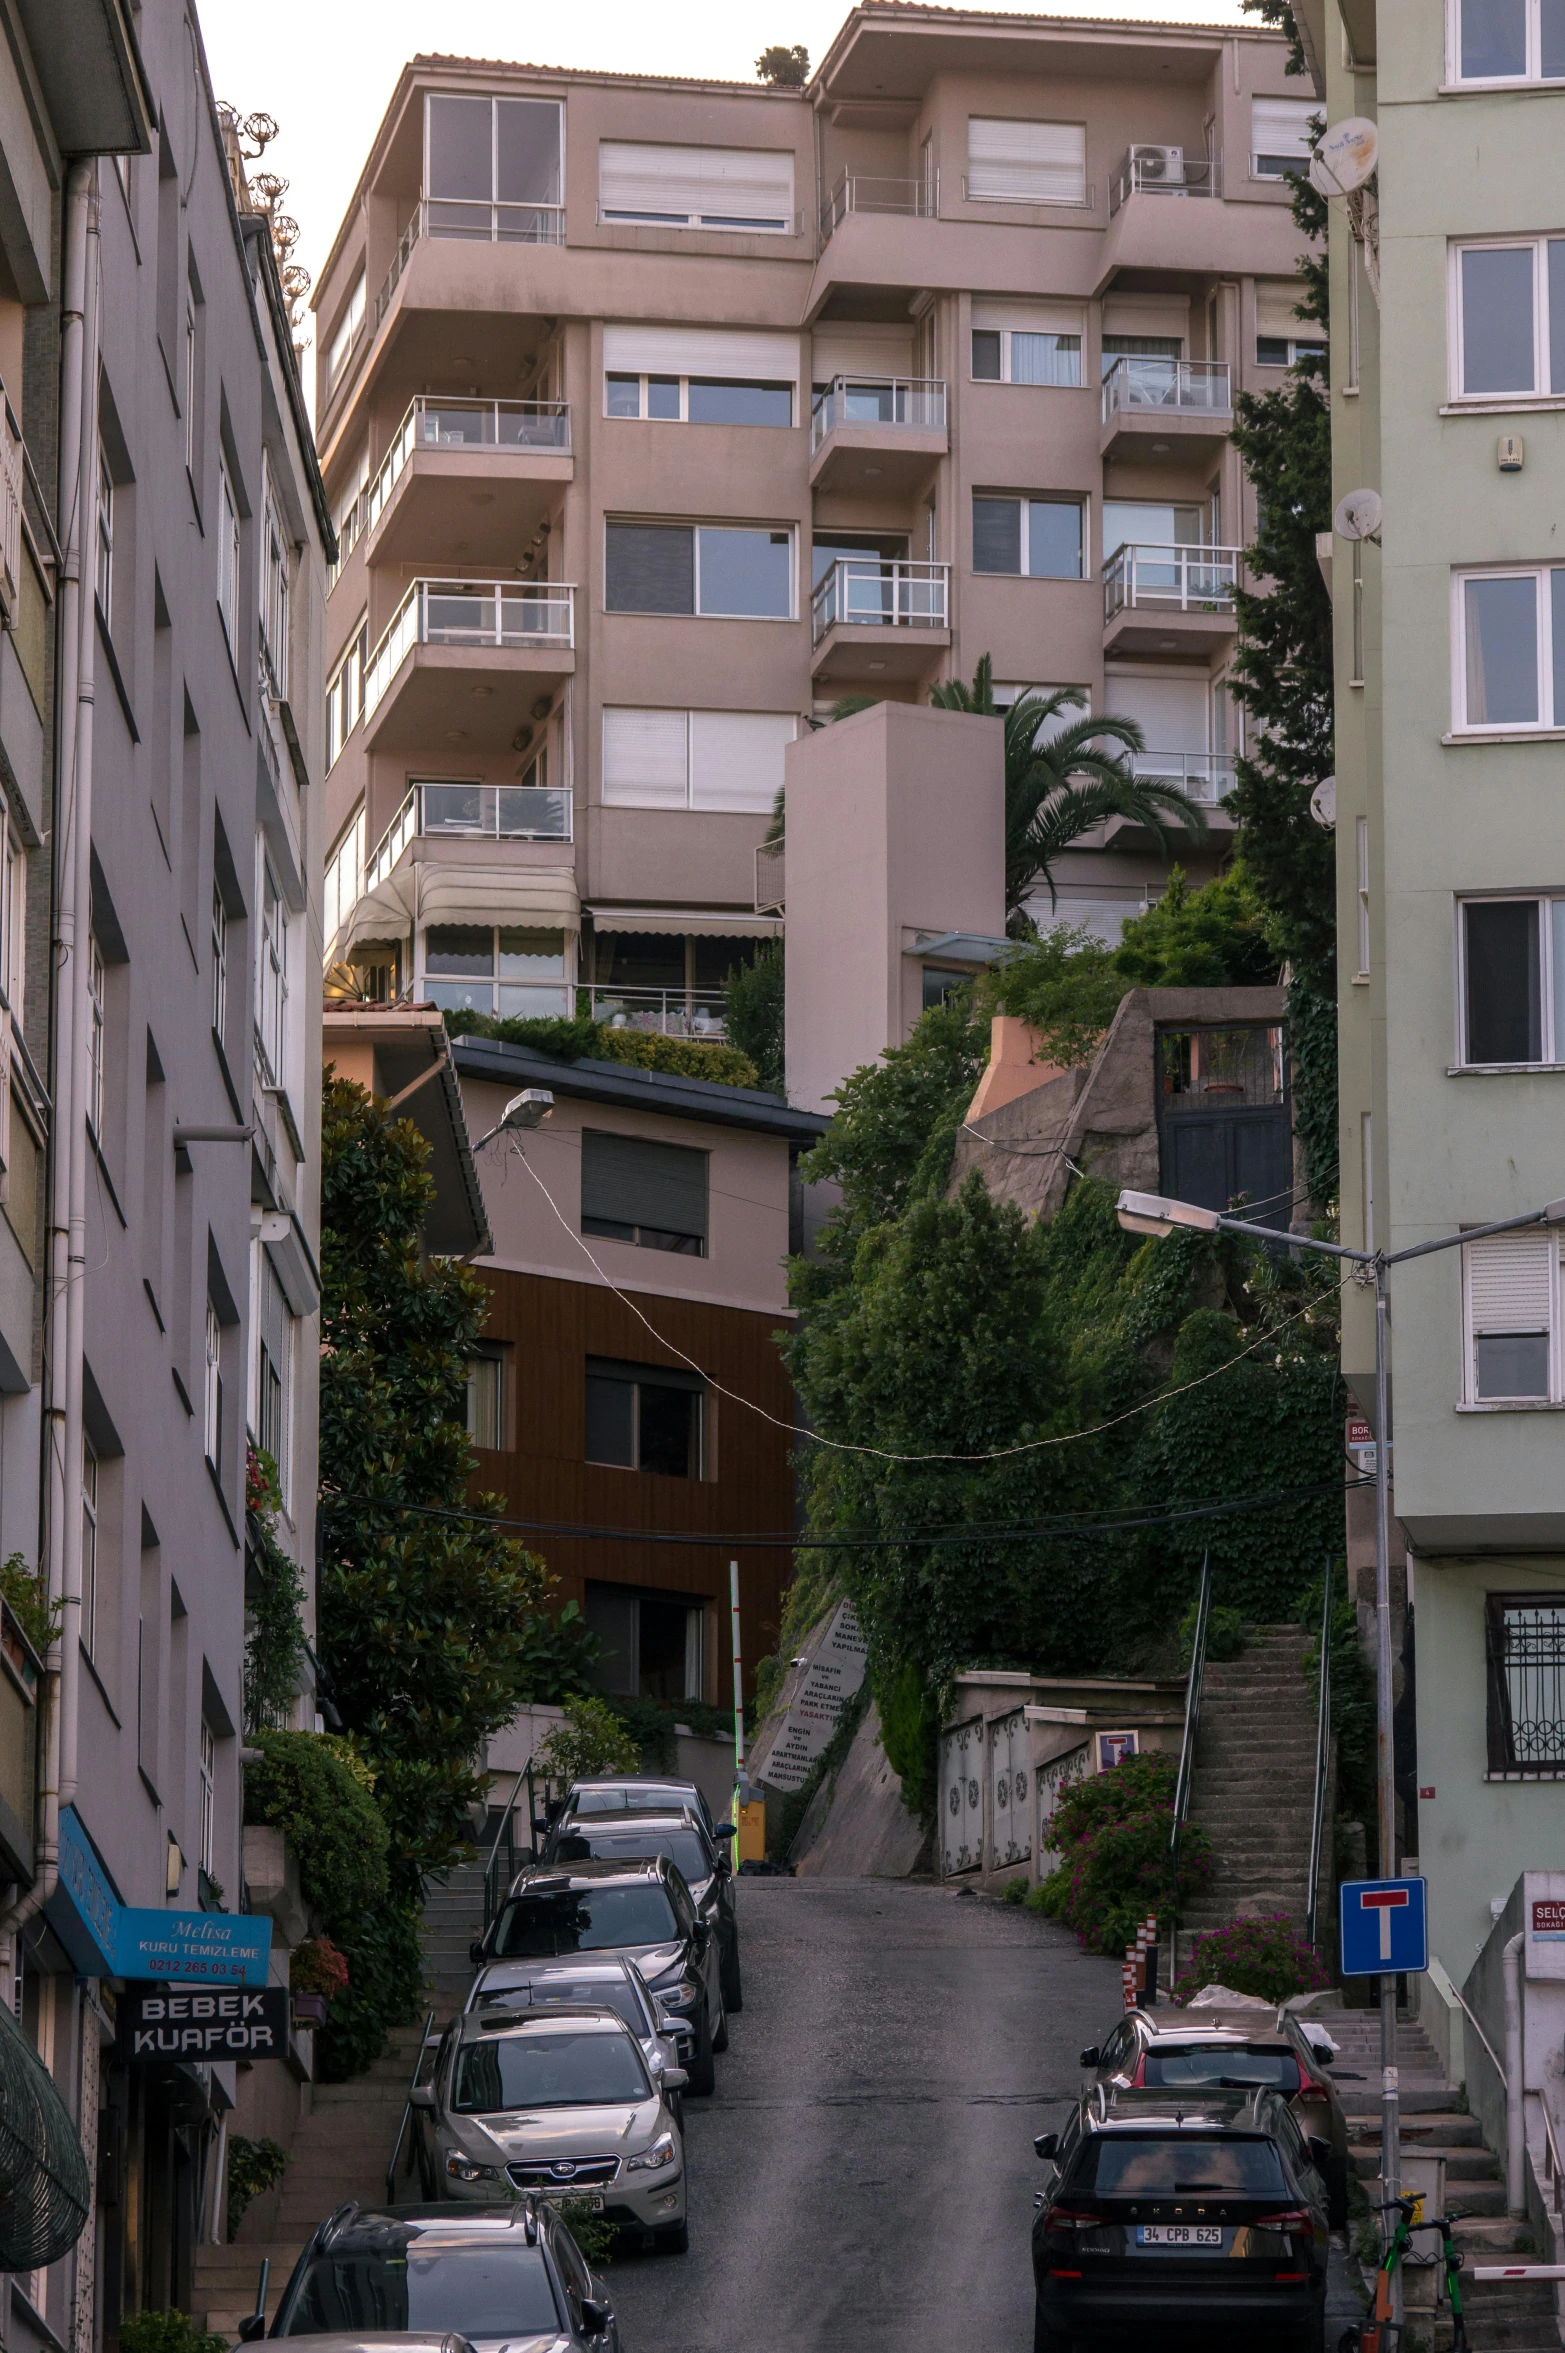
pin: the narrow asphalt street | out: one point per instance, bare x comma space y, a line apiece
863, 2176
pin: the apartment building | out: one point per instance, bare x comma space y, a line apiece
1448, 383
657, 416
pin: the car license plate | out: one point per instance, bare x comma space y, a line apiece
1179, 2234
591, 2199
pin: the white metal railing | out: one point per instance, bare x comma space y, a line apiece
1203, 776
913, 403
513, 425
474, 224
501, 613
1170, 579
1194, 387
881, 592
868, 192
770, 878
1164, 171
391, 845
349, 532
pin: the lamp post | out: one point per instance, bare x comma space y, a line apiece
1150, 1213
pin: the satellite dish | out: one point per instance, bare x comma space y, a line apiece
1344, 157
1358, 515
1323, 802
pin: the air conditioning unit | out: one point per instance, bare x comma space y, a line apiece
1158, 167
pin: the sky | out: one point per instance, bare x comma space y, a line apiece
324, 69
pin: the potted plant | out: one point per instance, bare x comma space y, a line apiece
316, 1971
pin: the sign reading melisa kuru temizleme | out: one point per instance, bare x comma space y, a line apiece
160, 2023
193, 1948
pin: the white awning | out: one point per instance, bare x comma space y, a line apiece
704, 926
543, 898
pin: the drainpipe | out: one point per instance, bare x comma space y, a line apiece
1515, 2094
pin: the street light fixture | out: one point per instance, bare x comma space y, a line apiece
528, 1109
1151, 1213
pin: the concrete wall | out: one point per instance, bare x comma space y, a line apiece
895, 827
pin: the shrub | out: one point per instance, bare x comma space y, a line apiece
334, 1826
1112, 1835
753, 1015
583, 1039
1014, 1891
317, 1968
1224, 1632
167, 2332
253, 2167
1266, 1957
909, 1736
593, 2232
385, 1960
27, 1598
591, 1740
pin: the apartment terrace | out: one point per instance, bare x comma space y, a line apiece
1169, 600
1165, 410
461, 661
877, 434
466, 483
880, 616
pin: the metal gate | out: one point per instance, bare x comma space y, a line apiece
1010, 1784
1225, 1127
1053, 1780
962, 1797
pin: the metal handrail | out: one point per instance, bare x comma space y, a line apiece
916, 403
1208, 777
1322, 1760
503, 1830
407, 2108
1182, 576
909, 198
472, 221
880, 592
1186, 1773
1147, 169
1138, 380
508, 613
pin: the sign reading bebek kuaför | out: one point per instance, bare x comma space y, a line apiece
162, 2023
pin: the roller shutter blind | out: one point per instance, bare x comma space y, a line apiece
630, 1181
997, 535
701, 351
1030, 318
644, 759
1031, 163
696, 187
1274, 310
1509, 1282
1146, 314
736, 759
1280, 127
861, 350
649, 568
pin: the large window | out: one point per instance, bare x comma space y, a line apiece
228, 529
695, 759
1510, 1312
507, 970
493, 168
1526, 1675
89, 1548
1510, 648
698, 400
1280, 135
1507, 40
1513, 980
349, 328
696, 187
274, 589
649, 1644
642, 1417
486, 1401
700, 375
1026, 343
273, 1369
212, 1389
1129, 522
1034, 538
345, 696
1508, 318
103, 574
1010, 162
636, 1190
206, 1848
716, 569
271, 1011
96, 1070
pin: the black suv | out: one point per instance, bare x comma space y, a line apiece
679, 1836
641, 1907
1187, 2218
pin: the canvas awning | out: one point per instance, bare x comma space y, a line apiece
705, 926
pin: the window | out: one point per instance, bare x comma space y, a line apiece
1526, 1676
508, 970
1512, 960
228, 559
206, 1846
89, 1548
95, 1037
641, 1417
698, 400
349, 328
1510, 639
1280, 137
345, 696
651, 1194
695, 759
1038, 538
1026, 344
274, 591
650, 1644
271, 1000
345, 876
1508, 318
1511, 1300
712, 569
273, 1368
190, 382
1507, 41
212, 1392
1361, 845
103, 574
1282, 351
1131, 522
700, 375
493, 168
696, 187
486, 1402
1141, 347
1026, 163
219, 964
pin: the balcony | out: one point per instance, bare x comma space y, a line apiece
771, 874
877, 433
1165, 409
466, 483
1205, 777
1168, 600
873, 615
866, 192
463, 661
1164, 171
470, 224
669, 1013
367, 898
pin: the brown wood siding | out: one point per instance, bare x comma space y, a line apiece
549, 1329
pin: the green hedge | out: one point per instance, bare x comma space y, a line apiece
583, 1039
334, 1826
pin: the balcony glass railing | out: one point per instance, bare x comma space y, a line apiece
1170, 579
880, 592
495, 812
1191, 387
670, 1013
520, 426
914, 403
1165, 171
471, 223
867, 192
502, 613
1207, 777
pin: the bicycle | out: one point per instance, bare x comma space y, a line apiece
1377, 2333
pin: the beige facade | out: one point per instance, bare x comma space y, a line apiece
703, 405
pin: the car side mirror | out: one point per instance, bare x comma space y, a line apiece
541, 1825
1091, 2055
725, 1830
422, 2096
1047, 2144
476, 1953
674, 2079
595, 2316
252, 2326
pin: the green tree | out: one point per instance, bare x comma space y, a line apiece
784, 68
1066, 985
754, 995
1211, 938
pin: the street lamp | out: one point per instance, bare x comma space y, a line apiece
1150, 1213
528, 1109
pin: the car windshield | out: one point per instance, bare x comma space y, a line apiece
477, 2290
1210, 2069
585, 1920
645, 1798
591, 2069
577, 1993
1176, 2165
683, 1848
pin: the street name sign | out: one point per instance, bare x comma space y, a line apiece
1385, 1927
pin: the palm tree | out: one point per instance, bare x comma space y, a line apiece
1058, 784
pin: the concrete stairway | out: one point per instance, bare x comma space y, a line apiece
343, 2142
1517, 2315
1254, 1785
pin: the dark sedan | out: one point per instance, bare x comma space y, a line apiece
680, 1838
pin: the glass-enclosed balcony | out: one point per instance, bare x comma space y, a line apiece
1171, 408
1207, 777
877, 433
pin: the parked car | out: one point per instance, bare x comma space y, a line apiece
1225, 2049
705, 1869
641, 1908
559, 2103
1165, 2221
610, 1981
641, 1793
500, 2279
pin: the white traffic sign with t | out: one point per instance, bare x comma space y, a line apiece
1384, 1927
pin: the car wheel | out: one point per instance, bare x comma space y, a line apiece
702, 2069
733, 1991
672, 2238
720, 2032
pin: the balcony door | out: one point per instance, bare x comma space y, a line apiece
1225, 1128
